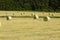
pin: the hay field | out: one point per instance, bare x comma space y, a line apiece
29, 29
26, 13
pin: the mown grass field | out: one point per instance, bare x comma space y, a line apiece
26, 13
29, 29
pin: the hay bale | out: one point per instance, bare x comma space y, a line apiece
47, 18
21, 13
36, 16
53, 14
9, 17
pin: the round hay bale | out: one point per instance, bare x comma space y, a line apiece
9, 17
53, 14
21, 13
47, 18
36, 16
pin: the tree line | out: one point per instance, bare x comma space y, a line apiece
30, 5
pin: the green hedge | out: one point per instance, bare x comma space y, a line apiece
30, 5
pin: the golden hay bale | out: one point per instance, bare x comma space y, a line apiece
47, 18
36, 16
9, 17
53, 14
21, 13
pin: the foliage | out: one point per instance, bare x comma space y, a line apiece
35, 5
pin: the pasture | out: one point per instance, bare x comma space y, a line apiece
29, 28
